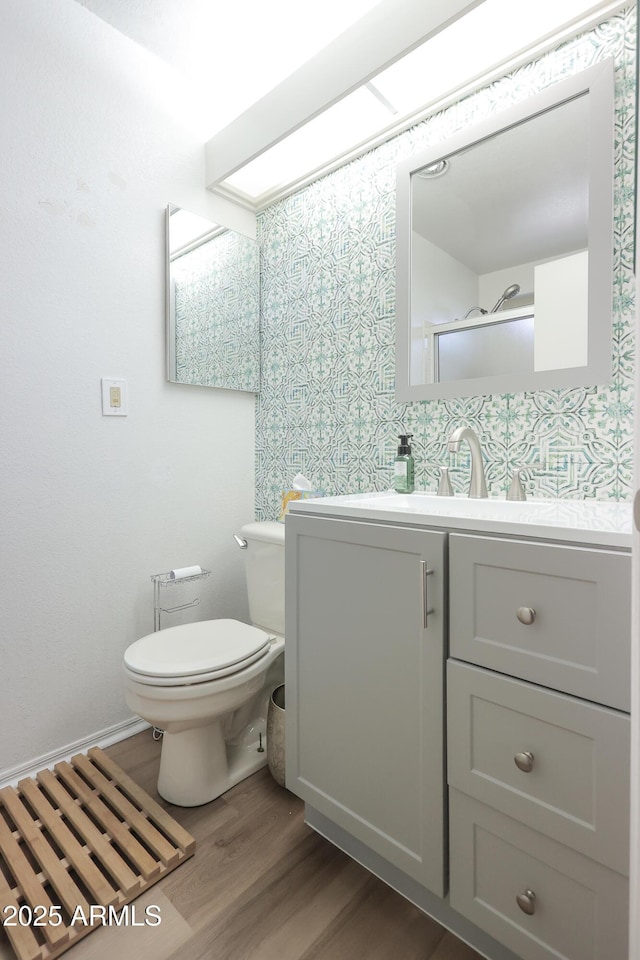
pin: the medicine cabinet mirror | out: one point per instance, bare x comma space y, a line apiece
504, 249
213, 304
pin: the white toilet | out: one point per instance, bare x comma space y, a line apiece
207, 684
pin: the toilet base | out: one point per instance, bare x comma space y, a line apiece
196, 765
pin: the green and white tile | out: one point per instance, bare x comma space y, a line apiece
327, 406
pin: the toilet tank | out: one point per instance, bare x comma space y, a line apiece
264, 569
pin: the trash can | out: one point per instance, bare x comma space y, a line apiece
276, 735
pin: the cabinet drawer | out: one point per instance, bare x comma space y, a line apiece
580, 908
571, 778
579, 637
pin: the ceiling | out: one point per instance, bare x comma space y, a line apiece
516, 197
211, 43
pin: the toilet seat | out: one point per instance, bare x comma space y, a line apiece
195, 652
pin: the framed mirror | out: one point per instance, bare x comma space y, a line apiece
505, 250
212, 304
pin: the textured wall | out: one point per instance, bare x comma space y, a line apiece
327, 405
93, 505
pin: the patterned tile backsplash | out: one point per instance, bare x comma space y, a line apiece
327, 406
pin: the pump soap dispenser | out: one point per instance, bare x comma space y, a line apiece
403, 468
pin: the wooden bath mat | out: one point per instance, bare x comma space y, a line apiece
76, 846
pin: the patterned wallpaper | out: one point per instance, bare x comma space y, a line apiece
327, 404
217, 313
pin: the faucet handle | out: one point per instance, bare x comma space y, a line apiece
516, 490
444, 486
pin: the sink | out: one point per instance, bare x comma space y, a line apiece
581, 521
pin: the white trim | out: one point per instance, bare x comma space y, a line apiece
398, 126
102, 738
634, 826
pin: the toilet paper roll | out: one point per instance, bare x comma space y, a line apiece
181, 572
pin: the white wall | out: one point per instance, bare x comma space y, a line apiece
92, 505
442, 288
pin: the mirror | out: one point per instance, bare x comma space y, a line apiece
213, 304
504, 250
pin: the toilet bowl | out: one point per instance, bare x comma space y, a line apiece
207, 684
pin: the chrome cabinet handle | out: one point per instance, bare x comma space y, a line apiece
526, 615
524, 761
527, 902
424, 599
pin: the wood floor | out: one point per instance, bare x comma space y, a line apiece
261, 886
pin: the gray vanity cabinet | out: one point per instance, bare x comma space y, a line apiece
364, 664
535, 638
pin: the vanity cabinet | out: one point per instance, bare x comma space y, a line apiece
365, 674
519, 842
539, 771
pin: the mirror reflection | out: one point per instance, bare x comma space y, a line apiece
500, 235
504, 266
213, 304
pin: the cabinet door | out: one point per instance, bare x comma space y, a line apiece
364, 672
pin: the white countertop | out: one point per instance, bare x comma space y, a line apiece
597, 522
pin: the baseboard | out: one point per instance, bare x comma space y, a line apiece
103, 738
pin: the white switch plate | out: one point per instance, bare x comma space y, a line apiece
115, 397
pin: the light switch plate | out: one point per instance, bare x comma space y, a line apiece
115, 397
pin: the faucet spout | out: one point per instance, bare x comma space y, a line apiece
477, 482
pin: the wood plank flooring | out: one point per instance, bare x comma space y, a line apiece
262, 886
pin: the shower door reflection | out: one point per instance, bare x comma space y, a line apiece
485, 351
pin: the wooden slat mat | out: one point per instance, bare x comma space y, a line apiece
74, 841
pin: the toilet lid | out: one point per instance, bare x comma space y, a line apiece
192, 649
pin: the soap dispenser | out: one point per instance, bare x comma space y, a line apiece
403, 468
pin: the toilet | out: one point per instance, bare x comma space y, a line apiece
207, 684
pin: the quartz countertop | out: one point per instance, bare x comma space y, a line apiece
596, 522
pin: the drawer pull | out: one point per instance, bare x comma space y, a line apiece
524, 761
526, 615
527, 902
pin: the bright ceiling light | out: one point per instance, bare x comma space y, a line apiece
462, 53
456, 55
355, 118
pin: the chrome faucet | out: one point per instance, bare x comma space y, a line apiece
477, 482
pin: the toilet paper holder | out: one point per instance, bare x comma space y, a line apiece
161, 580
